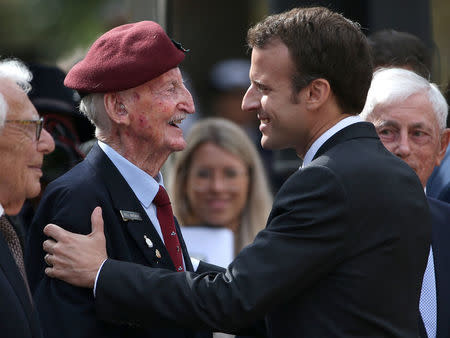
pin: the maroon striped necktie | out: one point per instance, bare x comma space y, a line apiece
167, 224
13, 242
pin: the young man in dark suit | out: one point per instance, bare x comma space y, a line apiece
410, 115
133, 92
346, 243
23, 144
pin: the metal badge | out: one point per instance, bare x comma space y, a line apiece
158, 254
148, 241
130, 215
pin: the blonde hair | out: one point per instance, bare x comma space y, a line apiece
230, 137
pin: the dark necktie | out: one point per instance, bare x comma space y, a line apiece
13, 242
165, 218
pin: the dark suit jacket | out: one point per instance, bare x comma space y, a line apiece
438, 185
440, 216
67, 311
342, 255
18, 318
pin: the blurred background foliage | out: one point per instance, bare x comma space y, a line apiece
60, 31
46, 30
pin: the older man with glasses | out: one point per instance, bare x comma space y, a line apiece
23, 144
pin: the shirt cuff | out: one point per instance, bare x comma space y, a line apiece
96, 277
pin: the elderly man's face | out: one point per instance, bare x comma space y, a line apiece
21, 154
410, 130
156, 108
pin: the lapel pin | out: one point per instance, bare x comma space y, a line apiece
158, 254
148, 241
130, 215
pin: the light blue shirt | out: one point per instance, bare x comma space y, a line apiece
428, 301
144, 186
327, 135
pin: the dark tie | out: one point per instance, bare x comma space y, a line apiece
165, 218
13, 242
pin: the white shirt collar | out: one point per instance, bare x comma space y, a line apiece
1, 210
143, 185
326, 135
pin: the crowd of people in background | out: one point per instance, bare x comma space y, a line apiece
351, 243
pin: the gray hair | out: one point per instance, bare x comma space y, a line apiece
390, 85
230, 137
93, 107
16, 71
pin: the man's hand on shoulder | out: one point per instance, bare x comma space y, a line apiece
76, 258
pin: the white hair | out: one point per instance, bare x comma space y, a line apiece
390, 85
93, 107
16, 71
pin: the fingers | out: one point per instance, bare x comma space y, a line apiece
49, 246
97, 220
47, 259
55, 231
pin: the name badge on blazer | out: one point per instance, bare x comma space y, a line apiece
130, 215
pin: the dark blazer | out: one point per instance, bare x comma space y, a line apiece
438, 185
67, 311
18, 318
440, 216
342, 255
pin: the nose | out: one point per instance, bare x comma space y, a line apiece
251, 100
217, 183
187, 103
45, 144
402, 148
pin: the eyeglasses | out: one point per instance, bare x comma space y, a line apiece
39, 125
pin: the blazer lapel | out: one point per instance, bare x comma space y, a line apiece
124, 199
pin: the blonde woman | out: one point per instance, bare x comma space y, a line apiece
218, 180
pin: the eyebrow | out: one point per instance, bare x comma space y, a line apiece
390, 123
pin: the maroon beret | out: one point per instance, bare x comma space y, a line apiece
125, 57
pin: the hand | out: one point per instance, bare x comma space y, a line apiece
76, 258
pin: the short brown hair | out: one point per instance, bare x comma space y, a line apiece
322, 44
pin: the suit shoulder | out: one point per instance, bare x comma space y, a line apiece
440, 212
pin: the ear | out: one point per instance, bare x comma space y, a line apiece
317, 93
115, 109
445, 138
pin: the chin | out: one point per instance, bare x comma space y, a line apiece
179, 146
265, 143
34, 191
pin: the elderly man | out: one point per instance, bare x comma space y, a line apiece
336, 224
410, 114
23, 144
134, 94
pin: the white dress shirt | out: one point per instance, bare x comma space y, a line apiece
327, 135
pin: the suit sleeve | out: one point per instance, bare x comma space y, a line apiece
304, 239
64, 310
